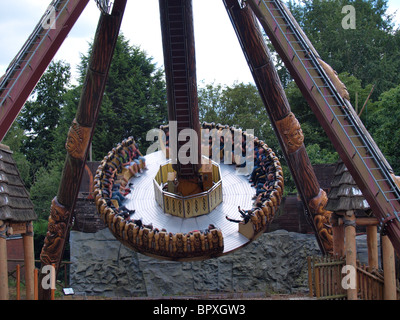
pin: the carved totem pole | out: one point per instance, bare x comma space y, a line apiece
79, 139
287, 127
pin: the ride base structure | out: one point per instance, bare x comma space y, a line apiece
180, 206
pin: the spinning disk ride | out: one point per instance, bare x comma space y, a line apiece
183, 203
325, 94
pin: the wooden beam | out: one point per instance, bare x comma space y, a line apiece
372, 243
29, 261
286, 126
40, 49
389, 271
36, 284
370, 221
79, 139
350, 248
18, 285
364, 221
3, 263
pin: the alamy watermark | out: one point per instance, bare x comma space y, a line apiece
237, 147
49, 19
349, 281
349, 20
49, 280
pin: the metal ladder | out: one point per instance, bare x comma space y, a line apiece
336, 113
180, 78
32, 60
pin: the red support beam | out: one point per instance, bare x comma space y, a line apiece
32, 61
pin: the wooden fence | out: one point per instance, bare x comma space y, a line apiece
325, 278
17, 276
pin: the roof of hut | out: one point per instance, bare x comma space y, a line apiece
15, 204
344, 194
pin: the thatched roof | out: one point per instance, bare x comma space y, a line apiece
15, 204
345, 194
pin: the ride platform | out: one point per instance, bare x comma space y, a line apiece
195, 235
236, 191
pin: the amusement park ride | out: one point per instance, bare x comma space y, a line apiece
204, 191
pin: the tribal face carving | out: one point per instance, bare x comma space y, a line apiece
291, 132
53, 243
77, 140
322, 219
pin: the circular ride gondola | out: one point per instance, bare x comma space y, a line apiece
156, 219
195, 209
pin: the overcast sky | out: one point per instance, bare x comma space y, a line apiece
218, 54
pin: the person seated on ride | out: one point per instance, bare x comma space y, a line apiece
111, 173
246, 215
259, 161
215, 146
116, 194
260, 176
148, 226
239, 155
138, 222
122, 211
267, 186
105, 174
130, 164
210, 227
140, 157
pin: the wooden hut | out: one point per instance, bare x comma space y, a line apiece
16, 216
351, 212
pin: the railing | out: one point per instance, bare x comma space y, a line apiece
188, 206
17, 276
20, 59
34, 57
326, 277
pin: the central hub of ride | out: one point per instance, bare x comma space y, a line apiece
186, 198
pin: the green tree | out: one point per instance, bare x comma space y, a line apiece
134, 100
320, 156
40, 116
384, 119
42, 192
45, 188
239, 105
314, 135
370, 52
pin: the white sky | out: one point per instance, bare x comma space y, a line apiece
218, 54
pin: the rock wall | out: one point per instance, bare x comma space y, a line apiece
274, 263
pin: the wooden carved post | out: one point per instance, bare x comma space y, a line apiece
287, 127
79, 139
350, 248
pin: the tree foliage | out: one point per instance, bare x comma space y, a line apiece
239, 105
370, 52
134, 101
41, 114
385, 129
